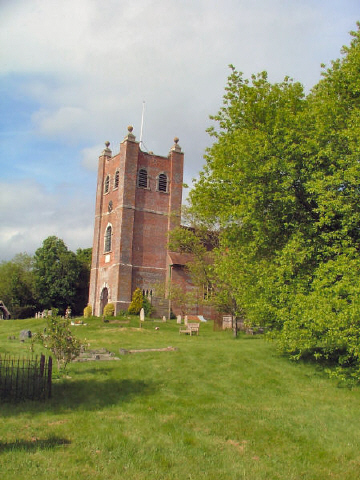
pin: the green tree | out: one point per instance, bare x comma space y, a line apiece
136, 302
17, 286
251, 185
57, 273
83, 256
281, 183
59, 339
325, 323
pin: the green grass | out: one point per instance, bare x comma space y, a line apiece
217, 408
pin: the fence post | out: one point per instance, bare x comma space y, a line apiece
49, 376
42, 365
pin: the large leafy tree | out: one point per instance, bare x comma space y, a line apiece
281, 183
17, 286
57, 271
251, 186
83, 256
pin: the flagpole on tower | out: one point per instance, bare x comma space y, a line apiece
142, 121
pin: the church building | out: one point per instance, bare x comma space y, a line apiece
138, 201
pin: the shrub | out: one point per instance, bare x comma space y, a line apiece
148, 308
109, 310
59, 339
23, 312
88, 311
136, 302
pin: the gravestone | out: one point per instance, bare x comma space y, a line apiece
164, 319
24, 334
142, 315
178, 319
186, 319
227, 322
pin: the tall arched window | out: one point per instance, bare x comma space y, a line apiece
142, 178
106, 184
107, 244
162, 185
116, 181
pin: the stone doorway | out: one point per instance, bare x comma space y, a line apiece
104, 298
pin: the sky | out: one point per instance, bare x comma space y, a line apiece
76, 73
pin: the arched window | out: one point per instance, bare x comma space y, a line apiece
162, 183
106, 184
142, 178
108, 233
116, 181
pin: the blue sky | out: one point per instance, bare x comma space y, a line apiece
75, 73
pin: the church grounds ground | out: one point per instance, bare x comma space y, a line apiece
216, 408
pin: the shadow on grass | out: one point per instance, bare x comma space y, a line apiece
88, 395
32, 445
93, 394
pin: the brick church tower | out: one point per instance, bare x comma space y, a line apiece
138, 201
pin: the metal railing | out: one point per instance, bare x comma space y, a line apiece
22, 379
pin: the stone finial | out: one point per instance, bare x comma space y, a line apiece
130, 136
107, 152
176, 147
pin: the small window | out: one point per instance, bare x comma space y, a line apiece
106, 184
116, 181
143, 178
162, 182
108, 234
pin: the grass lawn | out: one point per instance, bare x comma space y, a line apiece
217, 408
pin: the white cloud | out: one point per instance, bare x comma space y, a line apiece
86, 66
90, 157
30, 214
90, 64
61, 122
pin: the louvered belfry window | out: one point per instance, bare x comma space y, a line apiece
162, 182
143, 178
116, 182
106, 184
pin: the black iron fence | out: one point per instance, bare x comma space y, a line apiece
22, 379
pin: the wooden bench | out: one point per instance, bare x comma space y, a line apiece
190, 328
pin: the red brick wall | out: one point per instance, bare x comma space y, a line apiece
140, 220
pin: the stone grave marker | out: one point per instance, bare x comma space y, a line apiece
25, 334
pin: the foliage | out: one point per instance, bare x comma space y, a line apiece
137, 301
202, 244
282, 184
88, 311
148, 308
83, 256
54, 276
17, 286
109, 310
181, 298
59, 339
57, 273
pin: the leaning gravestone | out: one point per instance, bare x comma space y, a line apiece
142, 315
24, 334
